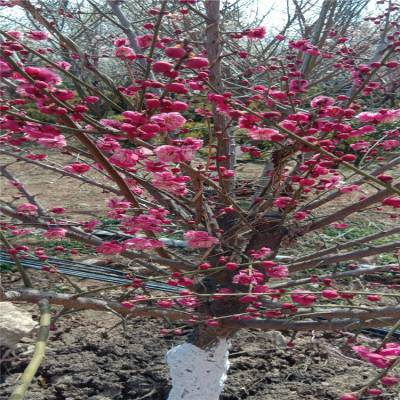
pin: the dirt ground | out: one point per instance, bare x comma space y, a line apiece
84, 362
53, 190
88, 359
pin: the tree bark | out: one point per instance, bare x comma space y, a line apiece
223, 133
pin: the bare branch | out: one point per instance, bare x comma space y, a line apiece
354, 255
308, 326
88, 303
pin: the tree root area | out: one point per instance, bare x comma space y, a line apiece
87, 360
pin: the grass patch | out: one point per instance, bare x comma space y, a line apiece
331, 236
8, 268
49, 246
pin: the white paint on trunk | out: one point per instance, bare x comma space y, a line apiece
198, 374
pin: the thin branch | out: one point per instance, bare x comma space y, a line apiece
62, 172
21, 188
344, 212
355, 255
38, 355
87, 303
352, 243
334, 325
157, 28
335, 275
24, 275
332, 196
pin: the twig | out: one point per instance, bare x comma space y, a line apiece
24, 275
87, 303
151, 52
377, 378
38, 355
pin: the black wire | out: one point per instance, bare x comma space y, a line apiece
113, 275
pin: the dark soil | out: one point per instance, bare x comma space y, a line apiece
88, 358
85, 360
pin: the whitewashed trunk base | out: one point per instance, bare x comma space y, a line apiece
198, 374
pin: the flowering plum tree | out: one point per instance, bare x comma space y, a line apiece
202, 90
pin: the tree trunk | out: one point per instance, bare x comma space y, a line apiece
223, 132
196, 373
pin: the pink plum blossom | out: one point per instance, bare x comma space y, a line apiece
38, 35
330, 294
77, 168
390, 380
304, 299
248, 277
170, 182
110, 248
197, 62
283, 202
257, 33
266, 134
55, 233
360, 146
43, 74
261, 253
175, 52
56, 142
322, 101
392, 201
200, 239
169, 121
27, 209
144, 41
124, 158
116, 203
383, 116
162, 66
349, 396
278, 271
